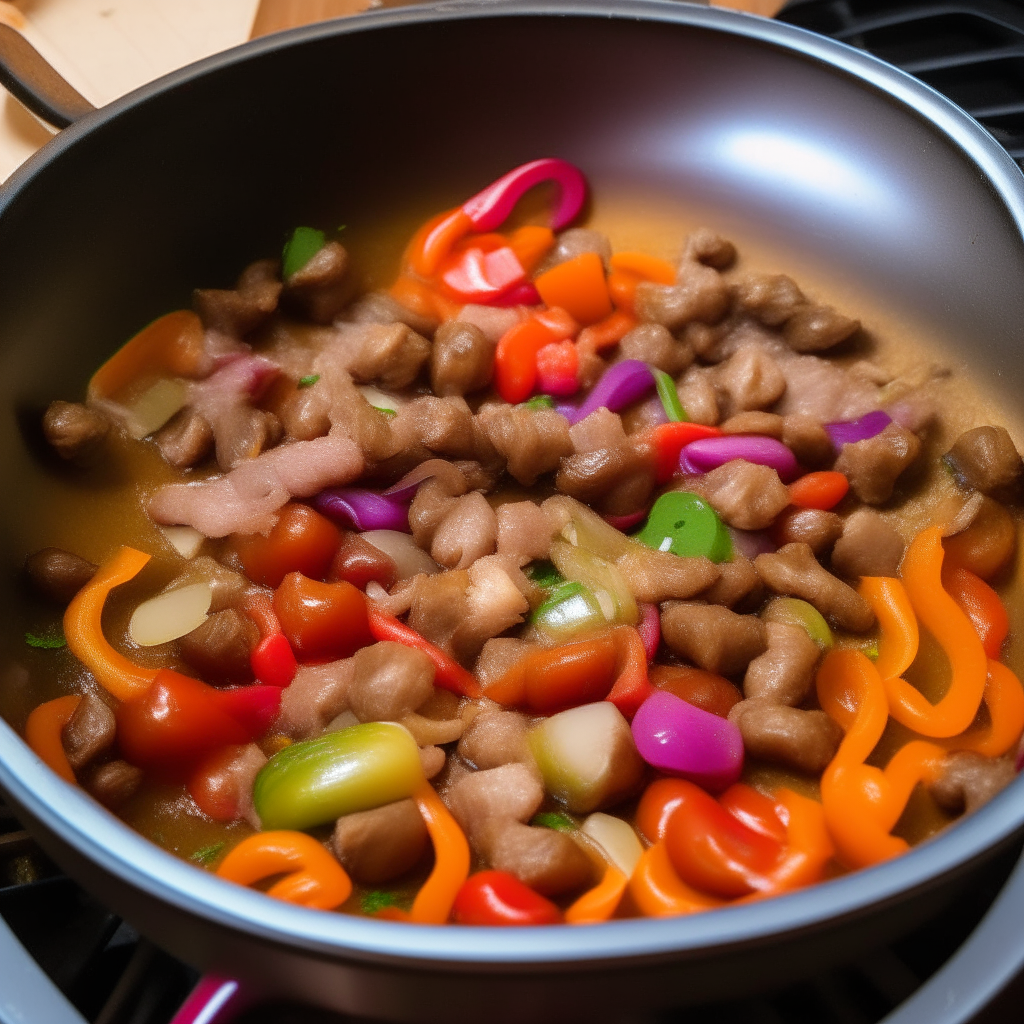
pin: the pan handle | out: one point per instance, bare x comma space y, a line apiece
25, 74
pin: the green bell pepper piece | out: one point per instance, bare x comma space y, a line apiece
355, 769
669, 396
544, 575
568, 609
686, 525
793, 612
304, 244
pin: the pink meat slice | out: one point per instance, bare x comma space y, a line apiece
247, 499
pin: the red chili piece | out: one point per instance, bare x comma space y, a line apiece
498, 898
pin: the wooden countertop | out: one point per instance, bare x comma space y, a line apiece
106, 48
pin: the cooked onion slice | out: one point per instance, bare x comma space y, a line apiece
183, 539
409, 559
170, 615
617, 840
154, 407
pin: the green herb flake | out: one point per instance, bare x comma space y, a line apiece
539, 402
376, 901
304, 244
206, 855
46, 643
556, 820
385, 411
341, 227
308, 381
872, 651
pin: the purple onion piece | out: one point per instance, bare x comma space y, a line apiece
619, 386
711, 452
683, 740
851, 431
365, 510
686, 467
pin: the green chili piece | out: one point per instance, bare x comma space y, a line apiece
46, 643
385, 411
794, 612
206, 855
669, 396
304, 244
308, 381
539, 402
373, 902
556, 820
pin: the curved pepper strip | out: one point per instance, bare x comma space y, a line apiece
448, 673
43, 734
434, 901
599, 903
898, 637
1004, 698
938, 612
981, 604
658, 890
632, 686
808, 849
84, 632
862, 803
314, 878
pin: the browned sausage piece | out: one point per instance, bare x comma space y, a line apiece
969, 780
804, 740
114, 782
750, 379
468, 531
317, 694
770, 298
618, 480
494, 738
531, 440
378, 845
986, 459
705, 246
869, 546
653, 344
74, 430
462, 359
89, 732
656, 576
512, 792
221, 647
186, 439
242, 309
793, 571
547, 861
785, 672
754, 422
807, 439
815, 328
57, 574
816, 528
388, 354
698, 294
443, 425
318, 289
738, 585
698, 394
524, 530
713, 637
381, 308
745, 495
872, 466
390, 680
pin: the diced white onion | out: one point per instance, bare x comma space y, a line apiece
170, 615
342, 721
185, 540
381, 399
409, 559
154, 407
616, 839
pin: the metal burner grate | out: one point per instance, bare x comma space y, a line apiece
972, 52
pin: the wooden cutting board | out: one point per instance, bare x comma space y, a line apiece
106, 48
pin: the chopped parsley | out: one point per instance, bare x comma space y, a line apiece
539, 402
375, 901
556, 820
46, 643
206, 855
385, 411
309, 381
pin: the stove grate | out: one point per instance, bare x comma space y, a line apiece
970, 50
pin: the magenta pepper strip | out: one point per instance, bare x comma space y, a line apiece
490, 208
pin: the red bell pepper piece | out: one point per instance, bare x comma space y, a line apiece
302, 540
631, 687
478, 276
557, 364
981, 604
273, 661
515, 361
448, 673
498, 898
671, 438
322, 621
178, 720
754, 809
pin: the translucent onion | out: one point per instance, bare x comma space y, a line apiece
617, 840
184, 539
579, 564
170, 615
154, 407
410, 560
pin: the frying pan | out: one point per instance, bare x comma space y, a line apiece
814, 147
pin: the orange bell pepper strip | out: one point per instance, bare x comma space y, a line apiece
599, 903
822, 490
422, 299
861, 803
632, 686
938, 612
434, 901
898, 636
755, 810
448, 673
1004, 698
645, 266
171, 345
314, 878
577, 286
809, 846
981, 604
84, 632
658, 890
434, 240
515, 360
608, 332
531, 244
43, 734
